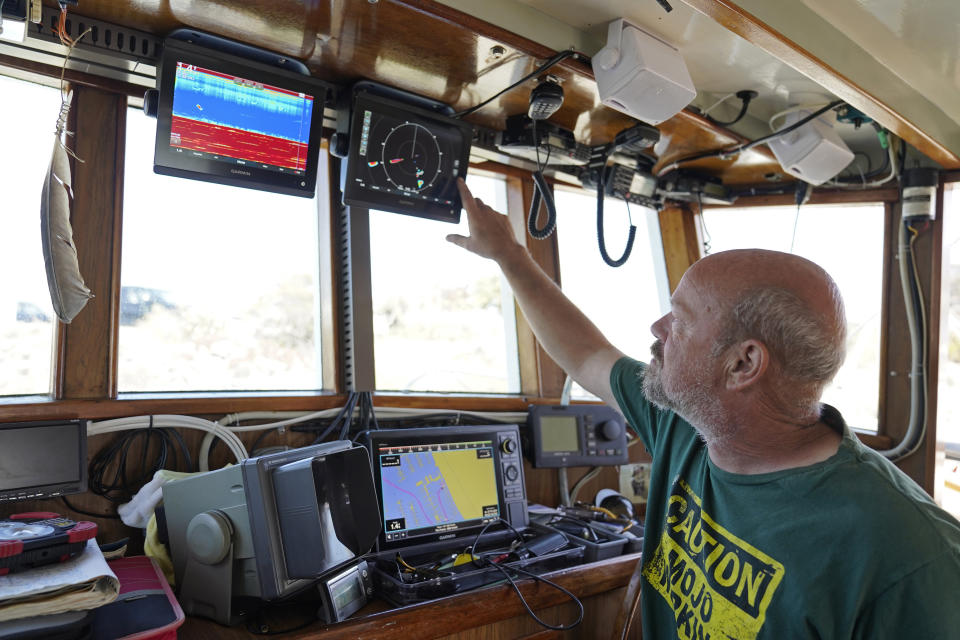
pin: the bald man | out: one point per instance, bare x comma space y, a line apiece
766, 517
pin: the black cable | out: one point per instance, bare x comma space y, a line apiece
473, 556
902, 160
600, 239
347, 417
720, 153
871, 173
793, 127
261, 438
542, 193
705, 235
445, 419
563, 55
125, 483
69, 505
486, 562
526, 606
745, 98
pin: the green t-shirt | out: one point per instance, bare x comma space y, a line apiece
846, 548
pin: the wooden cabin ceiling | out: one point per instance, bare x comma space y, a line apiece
896, 60
463, 51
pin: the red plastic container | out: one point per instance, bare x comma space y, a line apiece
146, 608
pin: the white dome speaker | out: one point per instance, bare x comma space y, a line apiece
641, 75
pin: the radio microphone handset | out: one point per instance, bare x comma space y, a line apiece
545, 99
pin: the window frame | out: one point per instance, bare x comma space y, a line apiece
85, 361
882, 439
85, 353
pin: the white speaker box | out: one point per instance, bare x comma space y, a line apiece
813, 153
641, 75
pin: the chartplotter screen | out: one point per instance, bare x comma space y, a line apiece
437, 487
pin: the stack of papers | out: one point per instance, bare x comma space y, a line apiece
84, 582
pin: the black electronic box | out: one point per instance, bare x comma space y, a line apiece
231, 114
575, 436
405, 154
43, 459
443, 483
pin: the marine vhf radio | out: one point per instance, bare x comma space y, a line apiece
575, 436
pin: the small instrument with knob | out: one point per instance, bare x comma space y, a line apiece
575, 436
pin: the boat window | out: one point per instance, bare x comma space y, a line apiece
624, 301
219, 285
824, 234
948, 392
27, 330
443, 318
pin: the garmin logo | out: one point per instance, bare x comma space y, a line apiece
446, 537
243, 173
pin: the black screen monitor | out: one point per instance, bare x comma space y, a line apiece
405, 158
42, 459
224, 119
441, 483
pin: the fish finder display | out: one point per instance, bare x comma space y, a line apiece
405, 160
221, 117
435, 488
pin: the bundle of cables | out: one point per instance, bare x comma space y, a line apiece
504, 560
119, 470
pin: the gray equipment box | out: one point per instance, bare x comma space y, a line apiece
269, 526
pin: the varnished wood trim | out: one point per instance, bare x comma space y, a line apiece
526, 341
536, 50
73, 77
874, 441
682, 245
627, 616
477, 608
545, 252
817, 197
932, 296
950, 176
524, 45
115, 232
776, 44
90, 341
889, 271
15, 409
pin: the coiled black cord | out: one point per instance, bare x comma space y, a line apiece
542, 193
600, 239
124, 482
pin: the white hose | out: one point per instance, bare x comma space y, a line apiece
174, 421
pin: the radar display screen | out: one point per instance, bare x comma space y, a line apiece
405, 159
437, 487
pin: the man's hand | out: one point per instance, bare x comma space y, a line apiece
490, 232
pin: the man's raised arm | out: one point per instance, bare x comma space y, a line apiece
570, 338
